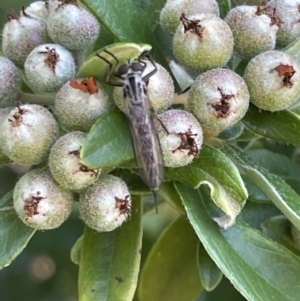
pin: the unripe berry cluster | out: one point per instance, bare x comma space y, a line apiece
46, 39
49, 40
43, 22
203, 42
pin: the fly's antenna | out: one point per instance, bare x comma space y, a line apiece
155, 200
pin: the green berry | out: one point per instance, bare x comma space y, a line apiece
40, 202
180, 136
10, 82
273, 79
48, 67
21, 34
202, 42
27, 134
79, 103
72, 26
170, 14
105, 205
287, 13
219, 98
253, 32
65, 166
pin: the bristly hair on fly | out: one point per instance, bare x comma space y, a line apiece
148, 154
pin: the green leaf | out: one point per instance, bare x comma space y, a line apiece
133, 181
233, 132
14, 236
130, 21
108, 142
255, 214
170, 271
240, 68
127, 20
294, 49
105, 38
281, 126
149, 202
76, 249
287, 169
257, 266
247, 135
109, 261
280, 193
169, 193
224, 6
210, 274
255, 193
217, 171
24, 84
96, 67
279, 228
6, 199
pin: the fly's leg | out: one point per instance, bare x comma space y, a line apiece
148, 56
184, 91
162, 124
112, 68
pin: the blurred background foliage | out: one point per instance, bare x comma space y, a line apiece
44, 270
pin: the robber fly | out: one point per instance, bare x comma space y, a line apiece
145, 141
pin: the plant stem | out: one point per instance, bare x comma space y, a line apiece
35, 98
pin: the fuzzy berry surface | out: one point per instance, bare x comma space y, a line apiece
40, 202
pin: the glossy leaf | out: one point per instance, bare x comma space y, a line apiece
130, 21
109, 261
279, 228
280, 193
170, 271
217, 171
257, 266
281, 126
127, 20
108, 142
210, 274
14, 236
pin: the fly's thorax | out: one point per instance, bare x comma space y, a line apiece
135, 88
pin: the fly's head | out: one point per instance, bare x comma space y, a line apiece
134, 67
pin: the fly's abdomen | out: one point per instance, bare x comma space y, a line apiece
146, 146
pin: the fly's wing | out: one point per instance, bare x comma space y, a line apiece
146, 145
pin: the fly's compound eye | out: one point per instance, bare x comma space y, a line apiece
123, 69
136, 66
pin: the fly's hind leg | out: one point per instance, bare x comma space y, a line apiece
112, 69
